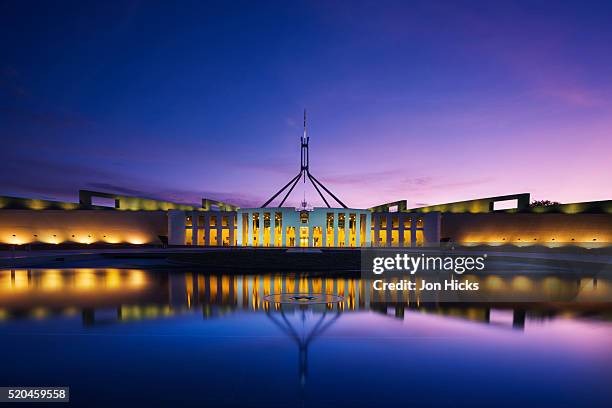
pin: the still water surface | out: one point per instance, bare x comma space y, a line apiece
139, 337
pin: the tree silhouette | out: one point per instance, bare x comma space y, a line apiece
543, 203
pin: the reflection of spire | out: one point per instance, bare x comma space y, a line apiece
303, 338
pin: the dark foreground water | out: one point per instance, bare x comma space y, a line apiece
131, 337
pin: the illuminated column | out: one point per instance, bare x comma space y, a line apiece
376, 219
368, 229
323, 221
231, 226
336, 229
413, 233
249, 238
284, 224
261, 229
194, 228
389, 231
347, 232
272, 227
357, 230
239, 226
310, 234
400, 229
207, 228
220, 229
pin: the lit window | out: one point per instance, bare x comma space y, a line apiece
395, 221
407, 223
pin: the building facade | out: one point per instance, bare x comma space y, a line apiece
301, 227
140, 221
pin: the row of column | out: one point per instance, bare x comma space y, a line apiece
292, 219
206, 215
431, 227
248, 291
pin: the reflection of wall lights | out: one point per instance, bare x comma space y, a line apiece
40, 312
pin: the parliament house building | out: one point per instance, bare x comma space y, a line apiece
103, 218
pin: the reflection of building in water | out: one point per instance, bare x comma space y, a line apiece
312, 321
248, 291
115, 294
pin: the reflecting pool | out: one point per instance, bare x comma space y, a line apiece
137, 337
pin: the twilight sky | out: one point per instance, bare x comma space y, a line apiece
426, 101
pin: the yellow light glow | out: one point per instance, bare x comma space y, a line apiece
40, 312
69, 206
51, 280
85, 280
136, 240
495, 283
111, 239
71, 311
137, 278
113, 278
522, 283
21, 280
36, 205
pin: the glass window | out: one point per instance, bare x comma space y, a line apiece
266, 220
330, 221
407, 223
278, 220
341, 220
395, 221
255, 220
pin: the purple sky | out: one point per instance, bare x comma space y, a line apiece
425, 101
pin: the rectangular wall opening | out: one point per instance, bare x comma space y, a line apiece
103, 201
505, 205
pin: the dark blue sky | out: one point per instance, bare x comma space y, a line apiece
429, 101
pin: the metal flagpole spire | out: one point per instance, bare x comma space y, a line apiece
304, 172
304, 167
